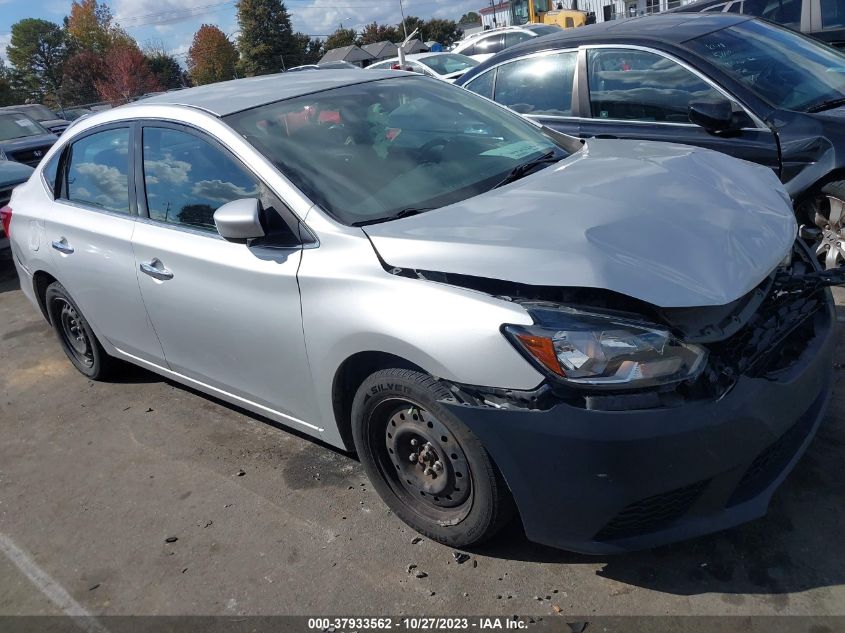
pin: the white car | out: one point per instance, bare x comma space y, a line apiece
484, 45
444, 66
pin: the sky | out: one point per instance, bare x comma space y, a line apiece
172, 23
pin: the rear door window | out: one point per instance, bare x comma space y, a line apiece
97, 172
489, 45
483, 84
538, 85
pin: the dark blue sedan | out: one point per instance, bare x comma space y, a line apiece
731, 83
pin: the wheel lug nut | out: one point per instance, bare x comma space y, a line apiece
413, 457
429, 471
438, 466
414, 442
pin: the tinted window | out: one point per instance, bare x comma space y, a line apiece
97, 173
483, 84
786, 12
833, 14
538, 85
515, 37
187, 179
637, 85
448, 63
786, 69
714, 9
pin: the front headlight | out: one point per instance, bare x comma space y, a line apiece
597, 350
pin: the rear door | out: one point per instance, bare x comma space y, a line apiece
634, 93
89, 229
228, 314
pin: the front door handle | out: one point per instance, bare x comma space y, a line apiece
62, 246
156, 270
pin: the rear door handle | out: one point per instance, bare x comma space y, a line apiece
156, 270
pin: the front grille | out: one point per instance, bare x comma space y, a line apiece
31, 156
771, 462
652, 514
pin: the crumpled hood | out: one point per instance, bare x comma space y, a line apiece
672, 225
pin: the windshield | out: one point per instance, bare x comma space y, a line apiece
544, 29
784, 68
18, 126
368, 151
448, 63
519, 11
36, 112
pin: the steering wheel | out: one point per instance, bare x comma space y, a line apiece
428, 148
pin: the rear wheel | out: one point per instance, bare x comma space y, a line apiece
75, 336
429, 468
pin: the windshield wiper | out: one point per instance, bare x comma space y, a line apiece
827, 105
527, 167
403, 213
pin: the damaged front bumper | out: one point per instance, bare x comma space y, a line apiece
603, 481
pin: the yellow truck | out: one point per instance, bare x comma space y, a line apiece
546, 12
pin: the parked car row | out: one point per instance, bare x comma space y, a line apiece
727, 82
622, 341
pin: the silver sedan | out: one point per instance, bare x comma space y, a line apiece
622, 342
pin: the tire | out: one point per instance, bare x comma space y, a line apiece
827, 212
460, 503
75, 335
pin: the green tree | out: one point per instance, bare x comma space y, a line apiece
443, 31
212, 57
411, 22
166, 69
308, 50
375, 32
470, 17
7, 95
266, 41
340, 38
38, 51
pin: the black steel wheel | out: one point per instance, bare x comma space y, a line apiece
424, 462
75, 335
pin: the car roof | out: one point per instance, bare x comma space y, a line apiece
228, 97
414, 56
673, 28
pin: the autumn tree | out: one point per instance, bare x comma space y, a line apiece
340, 38
470, 17
127, 75
375, 32
92, 27
38, 50
266, 41
82, 72
212, 57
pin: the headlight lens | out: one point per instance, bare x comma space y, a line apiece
596, 350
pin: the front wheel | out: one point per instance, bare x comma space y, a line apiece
426, 465
827, 212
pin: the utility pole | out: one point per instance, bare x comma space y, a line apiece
402, 13
493, 6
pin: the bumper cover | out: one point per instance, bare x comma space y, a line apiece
604, 482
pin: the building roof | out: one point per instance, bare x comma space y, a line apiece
350, 53
415, 46
228, 97
380, 50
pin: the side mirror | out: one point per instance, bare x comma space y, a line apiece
714, 115
239, 220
